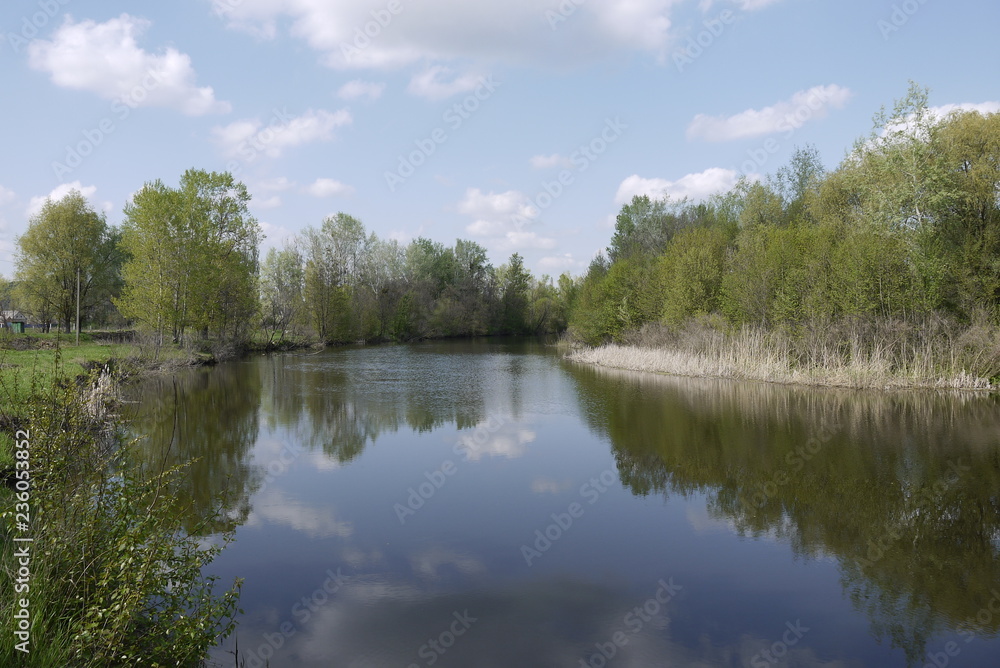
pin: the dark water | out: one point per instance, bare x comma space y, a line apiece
489, 504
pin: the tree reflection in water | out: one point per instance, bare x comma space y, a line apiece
902, 488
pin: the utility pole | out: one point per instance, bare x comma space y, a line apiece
78, 306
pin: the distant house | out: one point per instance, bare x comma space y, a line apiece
14, 321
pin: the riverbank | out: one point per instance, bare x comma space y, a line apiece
89, 538
857, 360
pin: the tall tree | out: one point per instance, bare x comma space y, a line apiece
644, 226
65, 241
193, 257
515, 282
281, 276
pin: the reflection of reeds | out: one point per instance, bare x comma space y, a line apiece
882, 355
922, 418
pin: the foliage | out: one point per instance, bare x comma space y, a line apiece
905, 229
114, 581
192, 258
280, 292
65, 241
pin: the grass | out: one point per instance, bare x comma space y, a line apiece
113, 579
35, 360
35, 356
885, 355
6, 451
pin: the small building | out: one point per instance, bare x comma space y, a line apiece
15, 321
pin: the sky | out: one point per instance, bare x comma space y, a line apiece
521, 125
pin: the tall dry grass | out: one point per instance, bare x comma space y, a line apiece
933, 353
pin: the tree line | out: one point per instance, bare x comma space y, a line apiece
905, 230
184, 265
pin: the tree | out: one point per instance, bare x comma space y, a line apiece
969, 220
795, 181
65, 241
692, 269
281, 277
644, 226
193, 257
514, 284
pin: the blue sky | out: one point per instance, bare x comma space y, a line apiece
521, 125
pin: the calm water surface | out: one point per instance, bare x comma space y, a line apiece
488, 504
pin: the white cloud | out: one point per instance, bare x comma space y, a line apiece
438, 83
493, 205
57, 193
329, 188
6, 196
782, 116
557, 264
353, 90
363, 34
105, 58
272, 202
518, 240
277, 184
248, 138
500, 217
550, 161
276, 507
942, 111
982, 107
693, 186
510, 442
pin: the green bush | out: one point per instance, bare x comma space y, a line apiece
114, 580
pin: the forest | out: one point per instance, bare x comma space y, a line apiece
895, 252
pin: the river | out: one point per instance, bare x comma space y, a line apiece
487, 503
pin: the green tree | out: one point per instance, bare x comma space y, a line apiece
193, 257
968, 224
797, 181
515, 282
66, 241
644, 226
692, 268
281, 277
